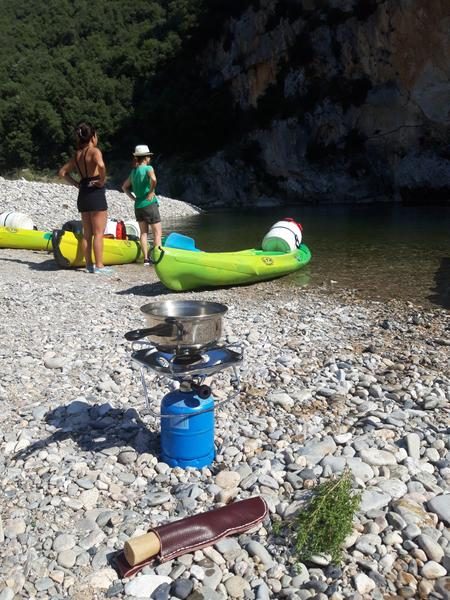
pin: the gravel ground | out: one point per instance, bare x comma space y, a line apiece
52, 204
329, 381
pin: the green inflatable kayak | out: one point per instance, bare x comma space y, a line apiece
27, 239
187, 268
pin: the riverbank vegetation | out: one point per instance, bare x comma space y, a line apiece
118, 63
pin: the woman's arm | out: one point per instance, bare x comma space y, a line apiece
151, 175
65, 173
126, 186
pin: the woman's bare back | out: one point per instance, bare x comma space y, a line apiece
89, 161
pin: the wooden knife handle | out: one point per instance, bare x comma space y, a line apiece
141, 548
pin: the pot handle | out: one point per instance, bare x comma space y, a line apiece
137, 334
163, 330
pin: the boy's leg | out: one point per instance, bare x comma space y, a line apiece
157, 233
143, 227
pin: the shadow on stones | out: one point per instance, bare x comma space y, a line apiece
148, 289
441, 295
48, 265
158, 289
96, 428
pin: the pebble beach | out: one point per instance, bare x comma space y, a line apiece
330, 381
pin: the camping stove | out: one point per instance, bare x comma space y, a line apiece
187, 412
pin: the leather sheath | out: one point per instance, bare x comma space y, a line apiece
198, 531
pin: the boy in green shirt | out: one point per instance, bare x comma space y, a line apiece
142, 182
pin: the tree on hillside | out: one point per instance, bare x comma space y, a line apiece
61, 62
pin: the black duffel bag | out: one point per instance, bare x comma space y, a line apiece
73, 226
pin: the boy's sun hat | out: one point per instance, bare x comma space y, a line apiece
142, 150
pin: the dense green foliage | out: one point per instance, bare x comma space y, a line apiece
127, 66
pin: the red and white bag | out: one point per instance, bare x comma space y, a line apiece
115, 229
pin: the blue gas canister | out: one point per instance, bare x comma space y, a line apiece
187, 429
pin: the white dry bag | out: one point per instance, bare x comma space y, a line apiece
16, 220
284, 236
132, 228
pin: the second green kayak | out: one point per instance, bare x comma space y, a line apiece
182, 269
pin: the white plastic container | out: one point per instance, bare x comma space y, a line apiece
132, 228
283, 236
17, 220
110, 227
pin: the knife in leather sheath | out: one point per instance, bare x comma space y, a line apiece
189, 534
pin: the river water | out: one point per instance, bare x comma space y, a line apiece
383, 251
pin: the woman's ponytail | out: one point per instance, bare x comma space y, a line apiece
84, 133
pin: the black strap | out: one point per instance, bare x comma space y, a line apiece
78, 166
85, 166
150, 259
83, 154
6, 218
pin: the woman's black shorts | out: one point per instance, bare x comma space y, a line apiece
149, 214
91, 198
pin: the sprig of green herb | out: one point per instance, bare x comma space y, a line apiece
327, 520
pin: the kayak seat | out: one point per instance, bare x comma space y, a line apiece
180, 241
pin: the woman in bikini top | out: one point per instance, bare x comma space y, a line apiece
85, 181
88, 161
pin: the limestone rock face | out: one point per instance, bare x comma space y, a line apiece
346, 102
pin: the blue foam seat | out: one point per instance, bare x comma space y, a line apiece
180, 241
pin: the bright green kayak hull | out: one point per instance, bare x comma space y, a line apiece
27, 239
182, 270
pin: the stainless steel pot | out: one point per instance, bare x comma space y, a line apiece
181, 326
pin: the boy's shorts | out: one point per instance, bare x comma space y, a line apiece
149, 214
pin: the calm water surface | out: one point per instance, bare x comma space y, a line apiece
385, 251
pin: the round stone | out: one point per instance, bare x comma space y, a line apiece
433, 570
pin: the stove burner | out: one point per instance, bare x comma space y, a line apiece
179, 366
187, 359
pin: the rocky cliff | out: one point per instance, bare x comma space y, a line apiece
333, 100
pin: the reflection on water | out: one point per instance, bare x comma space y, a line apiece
385, 251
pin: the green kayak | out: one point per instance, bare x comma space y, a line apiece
187, 268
